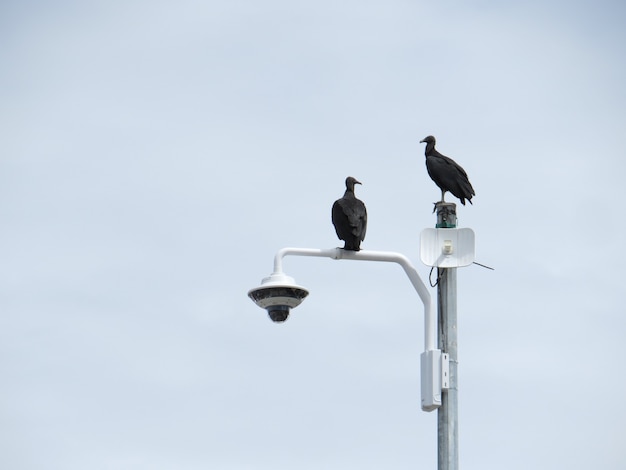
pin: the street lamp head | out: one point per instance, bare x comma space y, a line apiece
278, 294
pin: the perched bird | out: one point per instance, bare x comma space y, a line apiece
446, 173
350, 217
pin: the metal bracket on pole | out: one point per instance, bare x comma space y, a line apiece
435, 377
445, 371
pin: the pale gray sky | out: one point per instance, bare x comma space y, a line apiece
155, 155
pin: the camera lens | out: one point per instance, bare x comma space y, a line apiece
278, 313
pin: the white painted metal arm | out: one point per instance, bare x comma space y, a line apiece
386, 256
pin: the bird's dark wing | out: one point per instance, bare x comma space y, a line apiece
440, 171
461, 186
450, 176
356, 214
350, 219
340, 220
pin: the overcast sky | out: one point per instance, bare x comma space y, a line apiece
155, 155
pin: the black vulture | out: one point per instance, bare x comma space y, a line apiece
446, 173
350, 217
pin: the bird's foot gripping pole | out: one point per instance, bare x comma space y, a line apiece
434, 363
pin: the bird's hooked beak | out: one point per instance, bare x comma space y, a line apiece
358, 182
422, 141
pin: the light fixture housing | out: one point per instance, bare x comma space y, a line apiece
278, 294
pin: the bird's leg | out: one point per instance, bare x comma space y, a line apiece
443, 192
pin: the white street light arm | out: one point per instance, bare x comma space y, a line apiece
278, 293
364, 255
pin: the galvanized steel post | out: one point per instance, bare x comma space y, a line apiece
447, 414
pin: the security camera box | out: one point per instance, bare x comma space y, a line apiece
431, 362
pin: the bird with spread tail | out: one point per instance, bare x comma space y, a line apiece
349, 217
446, 173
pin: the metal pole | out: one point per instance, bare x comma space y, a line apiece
447, 414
